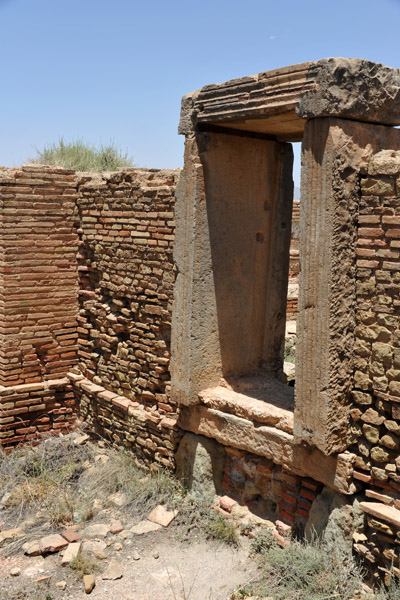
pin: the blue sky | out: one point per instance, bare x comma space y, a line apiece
116, 70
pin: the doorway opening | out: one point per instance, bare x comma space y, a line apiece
294, 269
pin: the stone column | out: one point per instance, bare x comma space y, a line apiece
332, 154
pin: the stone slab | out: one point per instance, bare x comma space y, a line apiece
262, 399
71, 553
162, 516
277, 102
278, 446
145, 527
389, 514
52, 543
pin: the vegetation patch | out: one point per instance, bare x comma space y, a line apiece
81, 156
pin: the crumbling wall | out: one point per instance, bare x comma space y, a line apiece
375, 428
126, 276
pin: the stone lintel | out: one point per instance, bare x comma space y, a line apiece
276, 103
278, 446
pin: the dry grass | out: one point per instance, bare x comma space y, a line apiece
57, 482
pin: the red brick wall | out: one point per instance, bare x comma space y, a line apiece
28, 411
38, 295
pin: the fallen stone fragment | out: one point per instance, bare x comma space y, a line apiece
145, 527
81, 439
117, 546
32, 548
279, 539
227, 503
113, 570
135, 555
101, 458
118, 499
89, 582
52, 543
156, 554
61, 585
15, 571
116, 527
96, 547
71, 535
283, 528
42, 578
162, 516
96, 530
71, 552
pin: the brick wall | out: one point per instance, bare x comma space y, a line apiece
38, 301
38, 295
375, 427
29, 410
264, 486
126, 277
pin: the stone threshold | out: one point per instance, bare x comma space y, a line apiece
261, 399
237, 420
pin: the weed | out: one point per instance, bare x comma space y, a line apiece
83, 157
222, 529
83, 564
263, 542
306, 571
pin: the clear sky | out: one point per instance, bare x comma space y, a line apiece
103, 70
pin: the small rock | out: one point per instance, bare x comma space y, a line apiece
117, 546
113, 570
42, 578
96, 530
283, 528
124, 535
118, 499
61, 585
101, 458
227, 503
135, 555
15, 571
116, 527
32, 548
70, 535
52, 543
156, 554
97, 504
81, 439
71, 552
94, 546
145, 527
162, 516
5, 499
89, 582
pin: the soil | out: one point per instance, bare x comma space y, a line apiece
183, 571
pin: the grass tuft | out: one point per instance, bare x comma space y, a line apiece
81, 156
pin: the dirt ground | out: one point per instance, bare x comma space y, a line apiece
175, 562
182, 571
